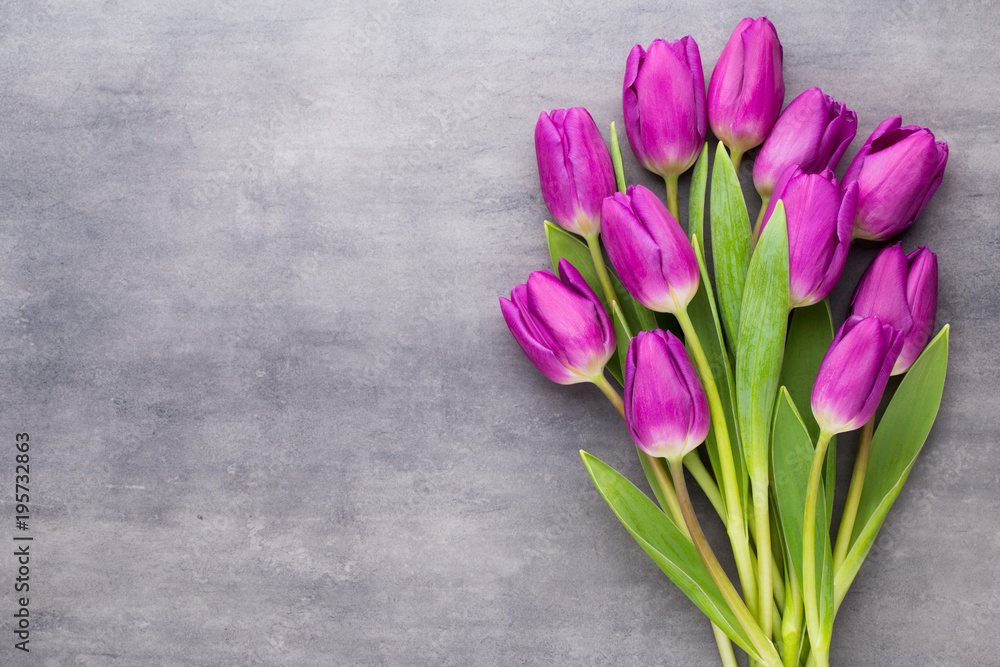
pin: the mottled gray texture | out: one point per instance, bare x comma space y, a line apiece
249, 261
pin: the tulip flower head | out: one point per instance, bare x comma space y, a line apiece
820, 219
813, 132
665, 405
574, 167
561, 325
663, 100
897, 170
650, 251
901, 290
747, 87
854, 373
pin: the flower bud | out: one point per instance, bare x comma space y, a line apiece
649, 250
897, 170
819, 217
665, 405
854, 372
561, 325
574, 167
813, 132
901, 290
664, 105
747, 88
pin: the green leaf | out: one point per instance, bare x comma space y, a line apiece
667, 546
654, 485
761, 343
563, 245
810, 333
696, 201
894, 448
705, 320
616, 160
731, 241
637, 315
791, 458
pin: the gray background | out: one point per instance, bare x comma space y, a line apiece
249, 262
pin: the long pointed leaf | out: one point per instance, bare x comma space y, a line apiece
696, 200
731, 241
810, 333
761, 343
894, 448
667, 546
792, 453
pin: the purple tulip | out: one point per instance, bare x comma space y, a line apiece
665, 405
647, 247
897, 170
813, 132
747, 88
664, 105
574, 167
901, 290
560, 325
820, 218
854, 372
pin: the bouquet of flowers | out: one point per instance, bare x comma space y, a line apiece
746, 361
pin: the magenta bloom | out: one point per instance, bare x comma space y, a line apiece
665, 405
663, 101
649, 250
901, 290
813, 132
560, 325
897, 170
820, 219
574, 167
854, 372
747, 88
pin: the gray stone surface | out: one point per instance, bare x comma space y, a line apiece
249, 262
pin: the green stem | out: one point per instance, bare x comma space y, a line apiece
704, 478
791, 623
760, 217
759, 640
765, 596
667, 488
616, 160
609, 391
726, 653
809, 551
736, 156
594, 243
853, 495
672, 204
735, 524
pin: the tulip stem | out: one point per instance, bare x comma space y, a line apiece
791, 623
759, 640
667, 488
760, 217
609, 391
701, 475
735, 524
672, 204
594, 243
736, 156
853, 495
765, 596
820, 645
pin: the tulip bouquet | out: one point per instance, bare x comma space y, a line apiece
747, 362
